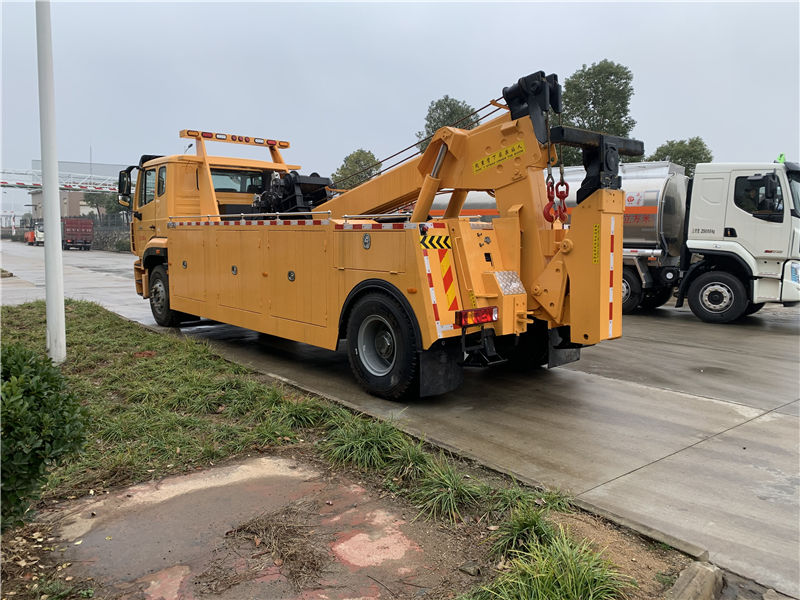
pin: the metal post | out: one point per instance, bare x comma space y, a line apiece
53, 268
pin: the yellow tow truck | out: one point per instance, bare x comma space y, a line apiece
255, 244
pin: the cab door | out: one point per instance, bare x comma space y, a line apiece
145, 207
761, 225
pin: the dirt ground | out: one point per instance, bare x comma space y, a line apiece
285, 525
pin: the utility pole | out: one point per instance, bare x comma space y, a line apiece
53, 267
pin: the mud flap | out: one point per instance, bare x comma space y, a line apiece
560, 351
439, 369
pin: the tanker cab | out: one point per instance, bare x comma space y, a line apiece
760, 219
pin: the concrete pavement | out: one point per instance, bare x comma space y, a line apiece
683, 430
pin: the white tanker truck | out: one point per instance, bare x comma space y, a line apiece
728, 239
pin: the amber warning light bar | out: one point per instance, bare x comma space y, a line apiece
238, 139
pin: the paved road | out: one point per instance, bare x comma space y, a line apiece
683, 430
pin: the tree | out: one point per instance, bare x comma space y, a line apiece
357, 167
445, 112
104, 203
684, 152
598, 98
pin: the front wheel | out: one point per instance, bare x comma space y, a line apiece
159, 298
717, 297
631, 291
382, 347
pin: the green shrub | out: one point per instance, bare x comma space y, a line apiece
122, 245
42, 425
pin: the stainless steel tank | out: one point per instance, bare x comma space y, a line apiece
655, 203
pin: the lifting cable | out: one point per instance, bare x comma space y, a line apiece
460, 121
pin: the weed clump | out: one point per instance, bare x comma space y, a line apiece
409, 463
443, 492
526, 528
361, 442
561, 569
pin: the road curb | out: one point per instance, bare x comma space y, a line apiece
696, 552
698, 581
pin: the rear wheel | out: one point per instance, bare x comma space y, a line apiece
159, 299
631, 290
382, 347
717, 297
654, 299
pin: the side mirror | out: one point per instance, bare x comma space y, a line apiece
124, 185
770, 186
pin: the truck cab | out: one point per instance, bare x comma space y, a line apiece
742, 245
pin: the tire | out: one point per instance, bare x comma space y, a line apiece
656, 298
159, 298
717, 297
631, 291
753, 308
382, 348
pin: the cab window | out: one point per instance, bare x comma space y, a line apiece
749, 196
162, 180
149, 187
243, 182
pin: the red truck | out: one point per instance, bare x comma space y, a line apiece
77, 232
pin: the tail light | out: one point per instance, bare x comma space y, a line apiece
476, 316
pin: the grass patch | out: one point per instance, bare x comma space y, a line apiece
157, 404
562, 569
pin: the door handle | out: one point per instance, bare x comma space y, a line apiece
152, 226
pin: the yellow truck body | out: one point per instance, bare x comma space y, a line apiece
416, 297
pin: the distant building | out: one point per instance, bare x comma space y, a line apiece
73, 203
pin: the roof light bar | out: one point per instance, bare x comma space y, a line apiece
238, 139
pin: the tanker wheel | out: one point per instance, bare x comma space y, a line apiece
753, 308
656, 298
717, 297
159, 299
631, 291
382, 347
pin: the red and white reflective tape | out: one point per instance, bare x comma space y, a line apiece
611, 285
373, 226
265, 223
439, 327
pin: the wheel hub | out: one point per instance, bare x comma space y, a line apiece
376, 345
626, 290
158, 296
716, 297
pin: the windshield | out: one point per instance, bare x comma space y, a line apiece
794, 185
244, 182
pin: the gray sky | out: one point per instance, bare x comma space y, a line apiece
334, 77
